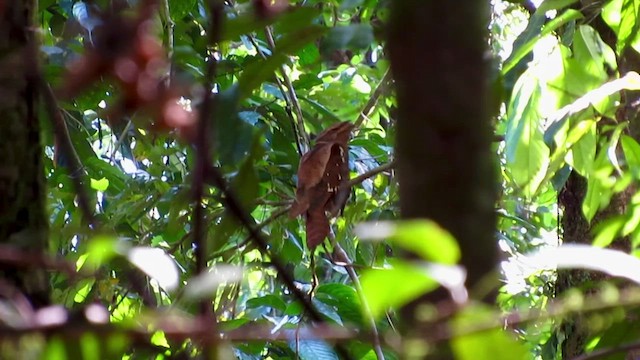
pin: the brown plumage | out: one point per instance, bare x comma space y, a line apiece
321, 173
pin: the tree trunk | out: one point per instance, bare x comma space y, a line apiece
23, 220
438, 52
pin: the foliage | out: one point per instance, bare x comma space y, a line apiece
279, 75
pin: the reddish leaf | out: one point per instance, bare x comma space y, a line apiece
322, 172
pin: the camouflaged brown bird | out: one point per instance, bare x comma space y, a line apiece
321, 173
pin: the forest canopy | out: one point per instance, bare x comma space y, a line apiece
307, 179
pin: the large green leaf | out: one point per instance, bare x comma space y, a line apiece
522, 51
526, 153
622, 16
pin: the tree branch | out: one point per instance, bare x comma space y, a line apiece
373, 100
232, 203
65, 146
371, 173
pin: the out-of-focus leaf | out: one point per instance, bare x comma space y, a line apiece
205, 284
357, 36
100, 249
578, 256
402, 283
157, 264
484, 345
423, 237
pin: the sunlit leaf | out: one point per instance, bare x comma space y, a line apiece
565, 17
526, 153
423, 237
100, 185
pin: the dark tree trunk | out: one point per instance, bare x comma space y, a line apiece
23, 220
438, 52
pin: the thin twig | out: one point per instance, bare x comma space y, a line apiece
373, 100
342, 256
292, 95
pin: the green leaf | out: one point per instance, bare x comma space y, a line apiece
526, 153
313, 350
631, 150
291, 21
343, 298
565, 17
357, 36
599, 187
394, 287
100, 249
622, 16
607, 231
428, 240
100, 185
258, 72
492, 344
583, 152
269, 300
180, 8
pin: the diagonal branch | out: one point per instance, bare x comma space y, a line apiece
368, 174
373, 100
232, 203
73, 164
